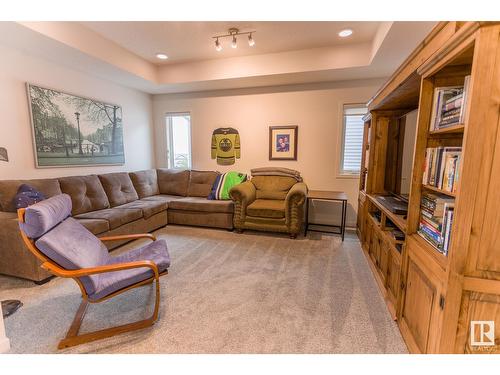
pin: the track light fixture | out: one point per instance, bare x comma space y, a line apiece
218, 46
251, 42
233, 33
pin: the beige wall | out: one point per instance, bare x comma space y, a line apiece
17, 68
315, 108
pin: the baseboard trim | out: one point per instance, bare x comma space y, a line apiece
4, 345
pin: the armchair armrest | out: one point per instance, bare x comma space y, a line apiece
129, 236
243, 193
101, 269
297, 194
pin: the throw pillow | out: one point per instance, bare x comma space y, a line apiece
26, 196
223, 183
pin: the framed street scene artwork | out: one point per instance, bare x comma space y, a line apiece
283, 142
70, 130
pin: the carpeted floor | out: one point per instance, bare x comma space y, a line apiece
225, 293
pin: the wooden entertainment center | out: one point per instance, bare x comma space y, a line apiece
435, 298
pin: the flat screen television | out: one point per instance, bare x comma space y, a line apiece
400, 152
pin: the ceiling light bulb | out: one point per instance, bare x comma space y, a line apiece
233, 43
161, 56
251, 42
345, 33
218, 46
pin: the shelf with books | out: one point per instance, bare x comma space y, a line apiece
436, 219
442, 169
440, 191
453, 129
449, 106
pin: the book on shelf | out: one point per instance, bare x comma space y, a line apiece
436, 216
448, 105
442, 168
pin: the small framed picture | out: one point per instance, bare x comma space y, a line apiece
283, 142
4, 156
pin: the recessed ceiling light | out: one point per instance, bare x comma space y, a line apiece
345, 33
161, 56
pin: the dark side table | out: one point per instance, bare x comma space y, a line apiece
336, 196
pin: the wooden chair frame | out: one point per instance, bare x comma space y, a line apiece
72, 337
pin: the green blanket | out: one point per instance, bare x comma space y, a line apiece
224, 183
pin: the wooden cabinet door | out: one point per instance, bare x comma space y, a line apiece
372, 243
376, 248
383, 259
480, 308
393, 274
367, 235
421, 317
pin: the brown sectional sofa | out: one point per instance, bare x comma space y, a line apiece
113, 204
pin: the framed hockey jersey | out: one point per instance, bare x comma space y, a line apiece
225, 145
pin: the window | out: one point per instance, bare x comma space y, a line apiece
179, 140
352, 139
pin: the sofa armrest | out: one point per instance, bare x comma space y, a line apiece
297, 194
294, 207
243, 193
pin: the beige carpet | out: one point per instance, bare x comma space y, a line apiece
226, 293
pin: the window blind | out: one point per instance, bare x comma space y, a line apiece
353, 139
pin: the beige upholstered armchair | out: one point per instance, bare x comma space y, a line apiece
273, 203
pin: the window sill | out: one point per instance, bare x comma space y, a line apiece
351, 176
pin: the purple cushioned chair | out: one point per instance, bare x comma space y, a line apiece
67, 249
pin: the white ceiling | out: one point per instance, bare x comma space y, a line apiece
286, 53
192, 41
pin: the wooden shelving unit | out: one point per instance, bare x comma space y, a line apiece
440, 191
459, 128
434, 297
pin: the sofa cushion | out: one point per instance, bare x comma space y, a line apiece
148, 207
272, 187
173, 182
271, 208
86, 192
9, 188
115, 216
201, 182
162, 198
145, 183
118, 188
201, 204
96, 226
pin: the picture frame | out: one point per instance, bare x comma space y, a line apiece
70, 130
4, 155
283, 141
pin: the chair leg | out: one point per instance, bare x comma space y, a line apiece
73, 338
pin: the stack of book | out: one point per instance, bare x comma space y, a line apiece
448, 107
436, 217
442, 167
